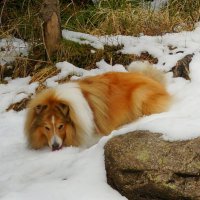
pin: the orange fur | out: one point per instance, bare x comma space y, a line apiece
115, 98
119, 98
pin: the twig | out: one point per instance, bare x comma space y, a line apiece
4, 3
42, 61
48, 57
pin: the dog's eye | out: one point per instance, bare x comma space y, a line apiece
47, 128
61, 126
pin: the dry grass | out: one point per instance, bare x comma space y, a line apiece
21, 19
43, 74
135, 22
20, 105
130, 20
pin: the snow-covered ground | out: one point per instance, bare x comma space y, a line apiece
76, 174
10, 48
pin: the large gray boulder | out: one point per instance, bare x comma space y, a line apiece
141, 165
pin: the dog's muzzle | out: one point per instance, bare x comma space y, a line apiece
55, 146
56, 143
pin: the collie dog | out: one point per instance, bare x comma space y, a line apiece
79, 112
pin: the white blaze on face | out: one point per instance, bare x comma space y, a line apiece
55, 138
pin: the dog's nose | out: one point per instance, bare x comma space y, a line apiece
55, 146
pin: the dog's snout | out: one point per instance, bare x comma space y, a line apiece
55, 143
55, 146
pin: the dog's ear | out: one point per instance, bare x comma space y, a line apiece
39, 108
64, 109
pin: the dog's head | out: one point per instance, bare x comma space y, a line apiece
51, 122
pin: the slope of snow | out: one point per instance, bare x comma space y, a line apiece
73, 173
167, 48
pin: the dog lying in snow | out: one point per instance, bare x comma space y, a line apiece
79, 112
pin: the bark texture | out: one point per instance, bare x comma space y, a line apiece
141, 166
50, 15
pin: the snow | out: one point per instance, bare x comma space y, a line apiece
73, 173
67, 68
161, 47
11, 48
15, 91
67, 174
155, 4
158, 4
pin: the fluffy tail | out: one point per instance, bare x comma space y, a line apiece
148, 70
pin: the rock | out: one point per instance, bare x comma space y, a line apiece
181, 69
141, 166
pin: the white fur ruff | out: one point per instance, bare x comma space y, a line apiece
71, 93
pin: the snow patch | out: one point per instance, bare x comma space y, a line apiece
15, 91
10, 48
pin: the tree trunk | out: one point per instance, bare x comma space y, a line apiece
50, 15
